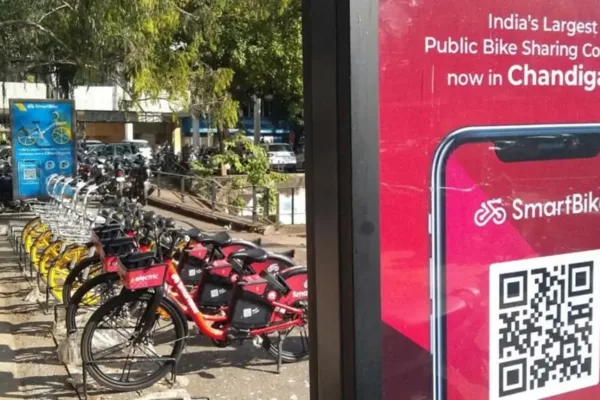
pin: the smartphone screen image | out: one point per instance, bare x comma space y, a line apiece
515, 252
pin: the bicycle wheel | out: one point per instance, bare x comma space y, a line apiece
85, 269
115, 328
49, 255
61, 267
29, 226
61, 136
37, 248
294, 348
27, 138
32, 235
91, 295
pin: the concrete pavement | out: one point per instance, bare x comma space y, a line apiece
29, 367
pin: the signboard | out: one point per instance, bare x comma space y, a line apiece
43, 143
464, 229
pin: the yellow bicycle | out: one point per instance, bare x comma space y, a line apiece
59, 270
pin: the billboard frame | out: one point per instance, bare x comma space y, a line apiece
341, 101
11, 103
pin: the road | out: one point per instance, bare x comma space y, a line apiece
29, 367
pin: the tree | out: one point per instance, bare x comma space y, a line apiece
211, 54
135, 44
261, 40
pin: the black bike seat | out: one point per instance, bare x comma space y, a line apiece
219, 239
275, 281
35, 122
249, 256
105, 213
194, 233
149, 216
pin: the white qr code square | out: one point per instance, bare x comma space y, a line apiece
544, 326
29, 174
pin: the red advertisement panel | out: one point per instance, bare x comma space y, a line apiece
490, 199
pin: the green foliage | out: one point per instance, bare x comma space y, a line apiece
209, 54
262, 41
252, 162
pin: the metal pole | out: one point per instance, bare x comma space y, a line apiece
267, 206
293, 195
158, 182
182, 188
213, 195
257, 103
254, 205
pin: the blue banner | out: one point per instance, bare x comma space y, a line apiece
43, 143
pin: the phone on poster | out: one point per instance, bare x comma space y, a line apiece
515, 234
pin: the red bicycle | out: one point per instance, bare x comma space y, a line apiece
113, 245
260, 305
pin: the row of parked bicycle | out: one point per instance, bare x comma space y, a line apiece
131, 281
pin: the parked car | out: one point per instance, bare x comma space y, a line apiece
88, 144
113, 150
141, 146
281, 156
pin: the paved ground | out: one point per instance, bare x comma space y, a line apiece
29, 367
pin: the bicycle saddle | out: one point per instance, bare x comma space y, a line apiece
105, 213
194, 233
118, 218
149, 216
275, 281
249, 256
219, 239
35, 122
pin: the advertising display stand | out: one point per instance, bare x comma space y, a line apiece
489, 162
43, 143
484, 175
342, 147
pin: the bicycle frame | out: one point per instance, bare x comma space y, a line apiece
204, 322
42, 132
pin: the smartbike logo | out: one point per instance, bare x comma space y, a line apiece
495, 211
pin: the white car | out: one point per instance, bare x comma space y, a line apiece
142, 146
281, 156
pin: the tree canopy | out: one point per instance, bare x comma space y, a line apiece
211, 53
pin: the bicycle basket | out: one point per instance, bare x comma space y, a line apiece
115, 248
141, 271
119, 246
103, 235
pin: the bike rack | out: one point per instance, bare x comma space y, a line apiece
170, 383
70, 238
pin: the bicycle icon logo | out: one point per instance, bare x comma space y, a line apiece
490, 210
33, 135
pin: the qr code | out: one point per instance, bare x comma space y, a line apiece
29, 174
544, 326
